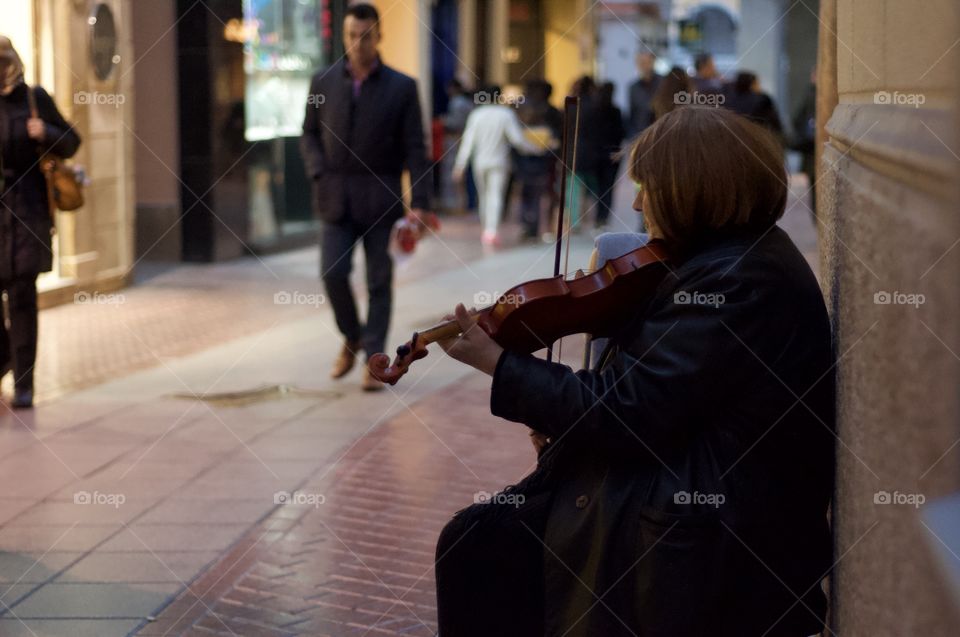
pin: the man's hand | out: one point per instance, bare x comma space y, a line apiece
457, 175
473, 347
416, 215
36, 129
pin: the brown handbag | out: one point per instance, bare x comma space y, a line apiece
64, 183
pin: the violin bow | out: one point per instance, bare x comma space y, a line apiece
568, 157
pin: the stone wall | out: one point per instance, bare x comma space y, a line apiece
890, 245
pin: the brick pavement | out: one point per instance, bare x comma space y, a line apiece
362, 561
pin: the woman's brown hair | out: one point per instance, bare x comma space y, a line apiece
706, 171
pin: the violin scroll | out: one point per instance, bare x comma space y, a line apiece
380, 367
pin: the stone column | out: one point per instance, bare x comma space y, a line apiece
890, 238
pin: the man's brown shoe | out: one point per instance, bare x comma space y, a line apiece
369, 382
345, 360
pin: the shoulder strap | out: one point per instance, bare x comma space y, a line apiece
32, 100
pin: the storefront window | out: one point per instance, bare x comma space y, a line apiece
283, 48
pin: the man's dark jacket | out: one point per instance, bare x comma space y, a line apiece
356, 148
641, 103
725, 388
25, 223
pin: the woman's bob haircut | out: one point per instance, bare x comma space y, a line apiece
708, 171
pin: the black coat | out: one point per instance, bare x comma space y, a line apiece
728, 396
355, 150
25, 224
758, 107
641, 103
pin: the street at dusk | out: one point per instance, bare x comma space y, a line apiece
470, 318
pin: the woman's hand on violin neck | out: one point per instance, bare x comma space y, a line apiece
474, 346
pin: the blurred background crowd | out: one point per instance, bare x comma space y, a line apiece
497, 149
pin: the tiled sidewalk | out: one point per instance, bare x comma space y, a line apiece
196, 476
361, 562
193, 307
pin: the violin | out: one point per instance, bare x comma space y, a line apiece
533, 315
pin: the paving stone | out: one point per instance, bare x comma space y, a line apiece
29, 568
66, 627
113, 601
159, 566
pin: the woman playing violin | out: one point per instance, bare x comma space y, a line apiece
685, 485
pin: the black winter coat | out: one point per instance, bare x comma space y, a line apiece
694, 471
355, 150
25, 225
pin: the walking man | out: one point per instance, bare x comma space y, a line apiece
362, 128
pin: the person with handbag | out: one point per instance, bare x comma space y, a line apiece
31, 128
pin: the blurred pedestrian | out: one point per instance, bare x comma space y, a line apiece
362, 127
454, 121
586, 144
707, 79
492, 128
641, 94
542, 124
608, 121
675, 90
805, 135
30, 124
744, 96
